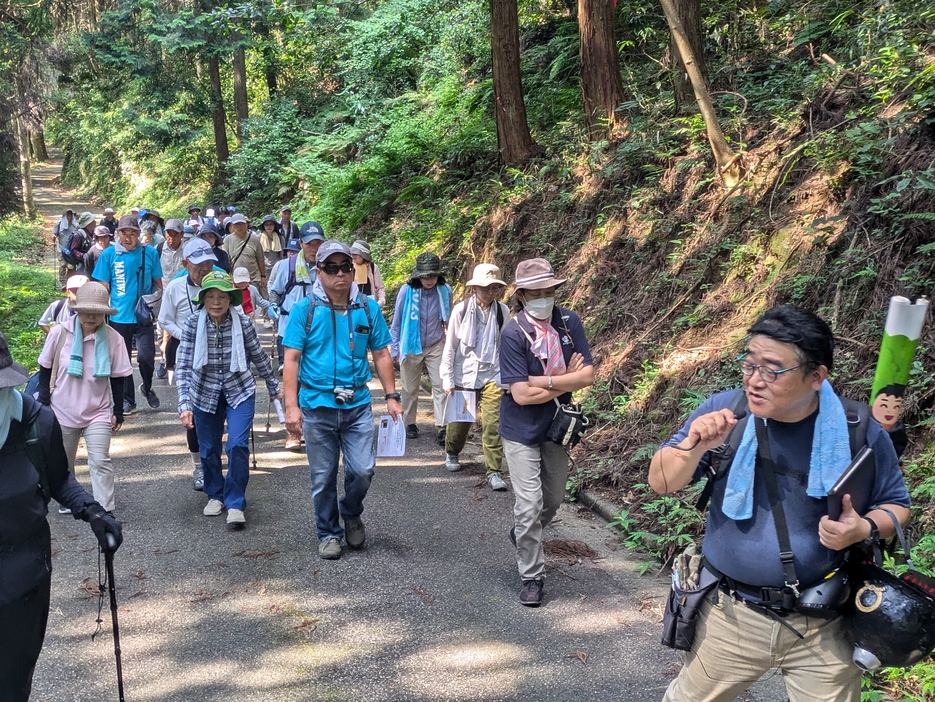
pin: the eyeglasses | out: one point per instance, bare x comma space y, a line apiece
766, 373
335, 268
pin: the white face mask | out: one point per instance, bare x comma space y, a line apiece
541, 308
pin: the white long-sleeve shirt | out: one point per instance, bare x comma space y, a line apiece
460, 370
178, 305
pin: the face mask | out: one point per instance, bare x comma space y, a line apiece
541, 308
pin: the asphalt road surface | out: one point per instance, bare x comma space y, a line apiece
428, 611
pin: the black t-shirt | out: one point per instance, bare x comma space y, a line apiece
528, 424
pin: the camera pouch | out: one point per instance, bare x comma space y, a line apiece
681, 613
568, 424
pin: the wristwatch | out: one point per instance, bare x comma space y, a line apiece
874, 533
394, 396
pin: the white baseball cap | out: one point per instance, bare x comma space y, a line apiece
241, 275
198, 251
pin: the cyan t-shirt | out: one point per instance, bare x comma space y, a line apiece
748, 550
123, 272
327, 359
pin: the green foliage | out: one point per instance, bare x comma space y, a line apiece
27, 287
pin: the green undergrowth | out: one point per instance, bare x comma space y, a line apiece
28, 288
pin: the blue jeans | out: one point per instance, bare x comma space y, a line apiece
210, 430
329, 433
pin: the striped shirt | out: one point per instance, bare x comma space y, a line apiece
201, 389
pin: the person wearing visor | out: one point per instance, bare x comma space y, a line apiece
216, 387
209, 233
471, 363
178, 305
327, 398
544, 357
423, 308
795, 439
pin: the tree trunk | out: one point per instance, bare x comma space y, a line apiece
513, 138
689, 12
269, 68
728, 163
39, 150
240, 89
601, 86
25, 168
218, 116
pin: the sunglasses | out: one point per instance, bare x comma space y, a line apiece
335, 268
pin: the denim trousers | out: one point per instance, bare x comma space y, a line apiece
145, 340
210, 429
329, 433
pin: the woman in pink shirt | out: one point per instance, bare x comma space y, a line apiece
81, 379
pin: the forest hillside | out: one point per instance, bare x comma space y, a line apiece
791, 160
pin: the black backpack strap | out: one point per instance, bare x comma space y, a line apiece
723, 455
34, 447
499, 314
858, 414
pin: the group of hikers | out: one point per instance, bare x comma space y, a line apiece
521, 362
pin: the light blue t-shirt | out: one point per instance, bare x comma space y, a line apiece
328, 360
122, 272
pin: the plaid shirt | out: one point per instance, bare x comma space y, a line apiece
201, 389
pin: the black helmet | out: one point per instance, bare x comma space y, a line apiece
890, 620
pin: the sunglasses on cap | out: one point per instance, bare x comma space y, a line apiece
334, 268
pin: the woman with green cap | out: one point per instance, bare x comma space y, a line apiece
215, 385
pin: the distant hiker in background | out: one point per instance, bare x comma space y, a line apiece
170, 251
35, 469
271, 240
252, 300
109, 220
194, 213
210, 234
79, 243
102, 239
471, 364
245, 251
81, 377
423, 307
59, 311
544, 357
367, 273
288, 228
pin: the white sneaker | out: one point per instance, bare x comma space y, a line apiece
267, 323
213, 508
452, 463
64, 510
496, 482
281, 366
236, 519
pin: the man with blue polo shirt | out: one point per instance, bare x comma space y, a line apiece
325, 385
132, 271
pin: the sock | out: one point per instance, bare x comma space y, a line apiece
196, 459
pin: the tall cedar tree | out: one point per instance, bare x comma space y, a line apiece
240, 88
601, 85
217, 113
513, 137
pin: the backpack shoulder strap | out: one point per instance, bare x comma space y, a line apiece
500, 321
858, 414
159, 248
362, 300
723, 455
59, 345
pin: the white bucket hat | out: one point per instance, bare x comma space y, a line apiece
484, 275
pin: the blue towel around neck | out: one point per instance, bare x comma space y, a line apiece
410, 341
101, 353
831, 454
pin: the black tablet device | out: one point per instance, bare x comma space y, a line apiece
856, 481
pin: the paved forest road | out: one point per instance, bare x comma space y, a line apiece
428, 611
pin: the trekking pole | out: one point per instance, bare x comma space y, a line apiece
269, 407
253, 446
109, 563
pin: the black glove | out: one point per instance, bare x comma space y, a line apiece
107, 529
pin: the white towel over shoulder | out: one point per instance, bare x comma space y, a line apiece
238, 351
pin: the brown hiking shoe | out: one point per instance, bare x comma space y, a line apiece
531, 593
354, 533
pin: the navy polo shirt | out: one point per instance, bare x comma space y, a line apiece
748, 551
528, 424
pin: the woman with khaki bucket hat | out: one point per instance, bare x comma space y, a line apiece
81, 377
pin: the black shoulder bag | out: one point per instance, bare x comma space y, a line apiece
142, 311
